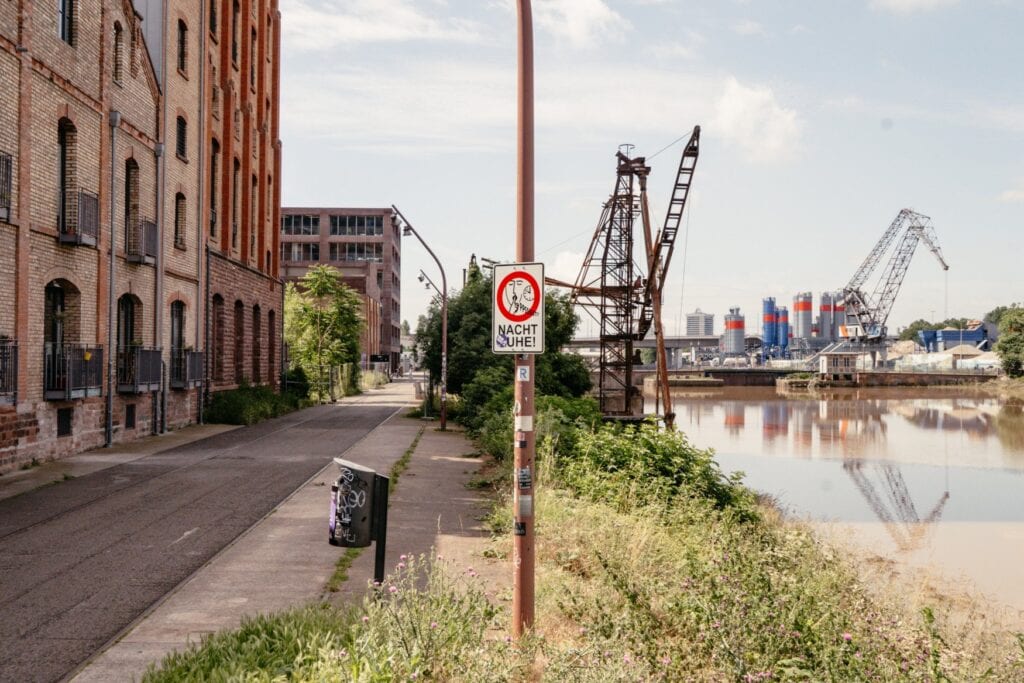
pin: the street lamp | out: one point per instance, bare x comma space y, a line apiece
407, 230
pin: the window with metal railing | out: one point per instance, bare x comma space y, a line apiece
72, 371
6, 186
8, 370
141, 244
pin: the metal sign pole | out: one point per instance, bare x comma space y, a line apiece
523, 495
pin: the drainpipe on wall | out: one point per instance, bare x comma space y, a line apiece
201, 308
114, 121
158, 318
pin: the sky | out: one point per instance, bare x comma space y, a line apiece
819, 122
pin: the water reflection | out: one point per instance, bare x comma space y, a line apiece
925, 477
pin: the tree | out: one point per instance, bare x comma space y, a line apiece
469, 345
997, 313
1011, 341
911, 330
322, 323
405, 328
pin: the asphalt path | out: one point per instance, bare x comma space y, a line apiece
82, 559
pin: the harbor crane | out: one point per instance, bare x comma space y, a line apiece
866, 315
624, 296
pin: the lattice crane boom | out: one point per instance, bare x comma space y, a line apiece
866, 315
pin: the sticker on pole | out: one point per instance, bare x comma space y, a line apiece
518, 303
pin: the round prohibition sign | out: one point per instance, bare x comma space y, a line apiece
518, 300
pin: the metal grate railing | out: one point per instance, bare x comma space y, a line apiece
72, 371
8, 370
141, 241
138, 369
79, 221
186, 368
6, 185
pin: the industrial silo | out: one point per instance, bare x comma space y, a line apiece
838, 315
826, 324
770, 324
802, 305
782, 314
734, 339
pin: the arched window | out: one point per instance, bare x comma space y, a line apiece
118, 52
67, 177
239, 341
217, 334
271, 347
256, 350
129, 314
253, 221
182, 46
252, 61
234, 204
132, 236
179, 220
181, 139
235, 11
177, 326
66, 21
214, 160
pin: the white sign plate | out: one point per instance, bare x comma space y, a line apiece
518, 308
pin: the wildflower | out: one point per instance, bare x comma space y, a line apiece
403, 557
847, 636
666, 660
342, 653
366, 619
626, 659
583, 630
392, 589
717, 624
413, 676
508, 639
440, 556
401, 565
433, 624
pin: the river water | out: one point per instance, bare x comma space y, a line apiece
925, 478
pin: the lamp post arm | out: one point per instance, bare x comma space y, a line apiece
444, 318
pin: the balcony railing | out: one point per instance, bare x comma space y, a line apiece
138, 369
79, 222
6, 183
141, 242
72, 371
186, 368
8, 371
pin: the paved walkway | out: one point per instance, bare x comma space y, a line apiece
285, 560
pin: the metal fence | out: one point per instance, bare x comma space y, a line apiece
138, 369
72, 371
186, 368
6, 185
141, 241
8, 370
80, 220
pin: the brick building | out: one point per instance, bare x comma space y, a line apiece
108, 113
366, 246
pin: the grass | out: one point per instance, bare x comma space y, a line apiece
643, 574
34, 462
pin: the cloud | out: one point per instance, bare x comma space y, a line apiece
749, 28
322, 25
581, 22
751, 118
685, 49
1014, 195
910, 6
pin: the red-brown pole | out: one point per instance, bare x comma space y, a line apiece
523, 493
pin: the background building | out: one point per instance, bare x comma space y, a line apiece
366, 246
700, 324
106, 111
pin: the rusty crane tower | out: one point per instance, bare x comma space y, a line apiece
623, 293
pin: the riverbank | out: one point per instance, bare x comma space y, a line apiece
652, 565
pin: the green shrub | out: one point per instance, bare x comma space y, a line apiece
638, 466
248, 405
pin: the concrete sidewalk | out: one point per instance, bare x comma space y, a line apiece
285, 560
53, 471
